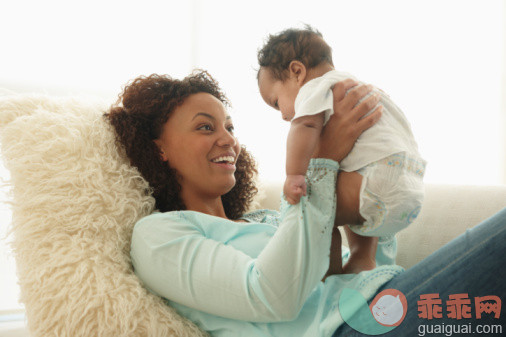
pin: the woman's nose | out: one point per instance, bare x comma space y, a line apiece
226, 138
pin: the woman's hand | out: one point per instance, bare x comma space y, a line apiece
346, 124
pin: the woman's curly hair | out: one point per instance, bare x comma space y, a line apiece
138, 118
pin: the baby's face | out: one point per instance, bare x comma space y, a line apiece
278, 94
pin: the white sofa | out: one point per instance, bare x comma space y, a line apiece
447, 212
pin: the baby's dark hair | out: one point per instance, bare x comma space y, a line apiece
303, 45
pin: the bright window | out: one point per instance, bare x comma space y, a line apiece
441, 61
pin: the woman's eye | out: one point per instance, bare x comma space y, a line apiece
205, 127
231, 129
276, 104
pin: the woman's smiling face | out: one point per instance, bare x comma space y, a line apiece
198, 142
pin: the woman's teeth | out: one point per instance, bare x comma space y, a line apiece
228, 159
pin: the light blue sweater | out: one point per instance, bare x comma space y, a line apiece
256, 278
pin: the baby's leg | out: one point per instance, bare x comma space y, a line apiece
362, 248
336, 260
362, 252
345, 213
348, 198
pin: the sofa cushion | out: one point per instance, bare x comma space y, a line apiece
75, 199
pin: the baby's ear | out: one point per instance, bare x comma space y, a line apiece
298, 71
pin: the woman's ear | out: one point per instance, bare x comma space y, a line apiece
297, 69
158, 143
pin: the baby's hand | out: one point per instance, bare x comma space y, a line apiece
294, 188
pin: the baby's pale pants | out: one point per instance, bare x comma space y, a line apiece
391, 194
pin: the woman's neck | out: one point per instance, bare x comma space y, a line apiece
208, 205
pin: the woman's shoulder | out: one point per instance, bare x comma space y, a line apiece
191, 220
176, 219
199, 219
157, 215
176, 224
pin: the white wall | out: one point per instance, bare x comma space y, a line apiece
443, 62
502, 121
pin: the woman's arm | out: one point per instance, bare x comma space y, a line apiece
176, 258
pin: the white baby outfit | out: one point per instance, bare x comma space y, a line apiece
386, 155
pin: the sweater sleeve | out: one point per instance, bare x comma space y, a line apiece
175, 259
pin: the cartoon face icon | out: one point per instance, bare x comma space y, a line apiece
389, 307
388, 310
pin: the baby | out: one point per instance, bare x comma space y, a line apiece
380, 186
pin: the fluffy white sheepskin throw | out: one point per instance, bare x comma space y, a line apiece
75, 199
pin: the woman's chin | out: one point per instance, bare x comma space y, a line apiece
228, 185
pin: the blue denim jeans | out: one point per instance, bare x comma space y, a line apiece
473, 263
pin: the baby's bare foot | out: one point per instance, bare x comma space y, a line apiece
356, 264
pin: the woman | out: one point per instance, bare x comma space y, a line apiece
250, 274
